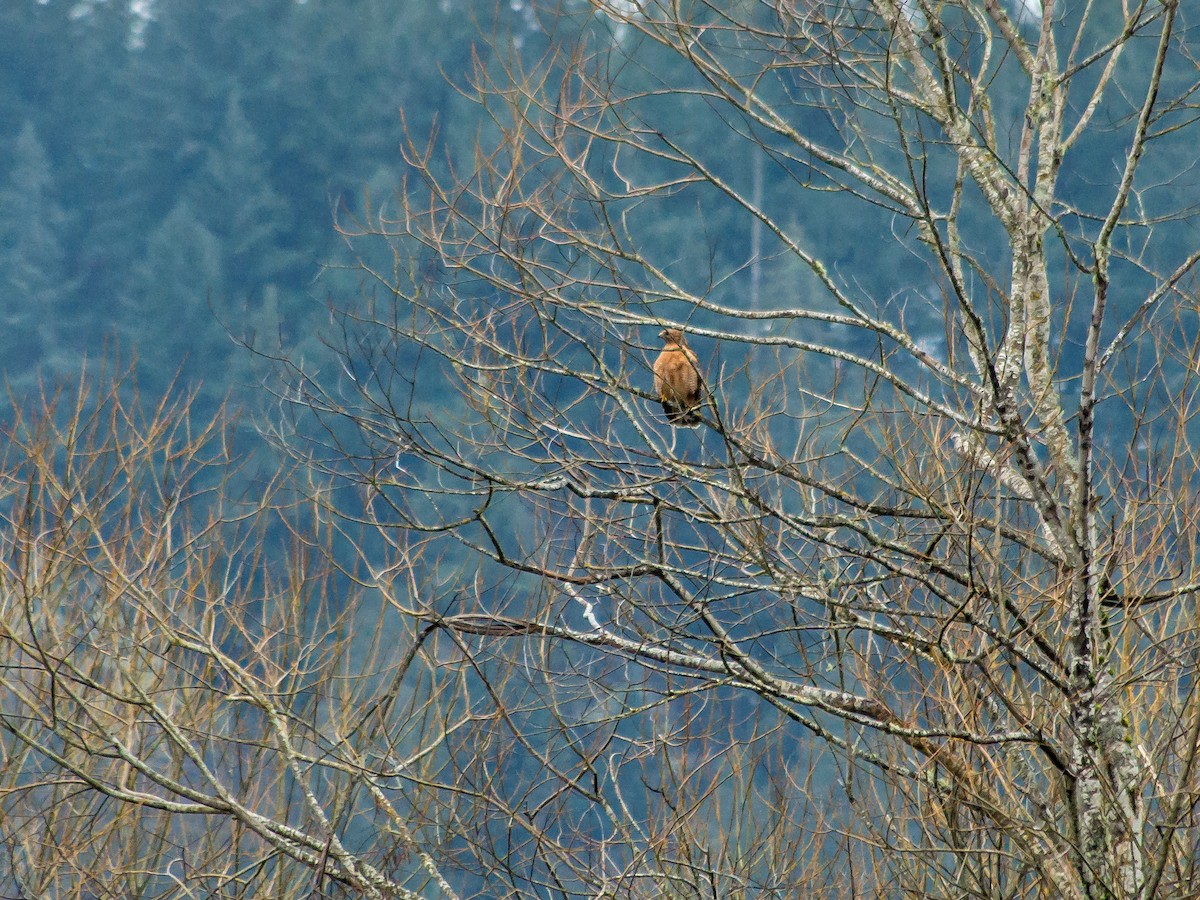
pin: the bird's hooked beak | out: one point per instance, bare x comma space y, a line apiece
663, 334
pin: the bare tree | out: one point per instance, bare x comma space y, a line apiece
188, 694
913, 614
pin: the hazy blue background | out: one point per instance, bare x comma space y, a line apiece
173, 171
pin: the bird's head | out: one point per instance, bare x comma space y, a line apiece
671, 335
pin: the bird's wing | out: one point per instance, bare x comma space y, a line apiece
691, 378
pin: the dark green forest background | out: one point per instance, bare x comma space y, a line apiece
170, 178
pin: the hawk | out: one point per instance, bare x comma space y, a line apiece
677, 379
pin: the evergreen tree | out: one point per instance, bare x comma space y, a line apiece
35, 289
167, 318
236, 201
120, 169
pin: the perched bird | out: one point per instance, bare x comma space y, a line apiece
677, 379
